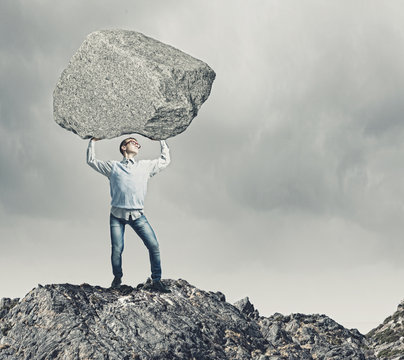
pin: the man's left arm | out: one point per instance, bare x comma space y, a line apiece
162, 162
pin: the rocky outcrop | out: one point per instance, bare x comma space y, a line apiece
122, 82
6, 305
388, 338
299, 336
84, 322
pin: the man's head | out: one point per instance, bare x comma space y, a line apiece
129, 147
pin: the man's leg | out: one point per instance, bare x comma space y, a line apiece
117, 230
146, 233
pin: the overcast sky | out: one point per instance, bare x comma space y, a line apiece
288, 186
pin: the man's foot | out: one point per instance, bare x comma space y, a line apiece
116, 283
157, 285
146, 285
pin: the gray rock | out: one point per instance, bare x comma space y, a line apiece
246, 307
6, 304
122, 82
64, 321
387, 339
299, 336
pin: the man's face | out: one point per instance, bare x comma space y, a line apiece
131, 146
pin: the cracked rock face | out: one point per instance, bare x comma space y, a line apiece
65, 321
122, 82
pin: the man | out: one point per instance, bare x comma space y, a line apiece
128, 185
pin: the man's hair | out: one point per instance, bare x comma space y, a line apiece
123, 143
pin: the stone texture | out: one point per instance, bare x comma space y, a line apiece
309, 337
123, 82
388, 338
66, 321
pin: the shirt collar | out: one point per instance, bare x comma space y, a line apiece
128, 161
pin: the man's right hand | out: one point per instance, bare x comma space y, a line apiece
94, 139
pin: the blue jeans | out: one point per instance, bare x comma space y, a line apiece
145, 232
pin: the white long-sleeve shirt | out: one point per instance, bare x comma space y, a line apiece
128, 179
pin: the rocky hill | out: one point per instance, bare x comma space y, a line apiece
388, 338
66, 321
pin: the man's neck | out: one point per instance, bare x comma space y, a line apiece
129, 156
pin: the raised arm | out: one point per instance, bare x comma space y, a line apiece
103, 167
162, 162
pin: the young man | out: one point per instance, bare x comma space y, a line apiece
128, 185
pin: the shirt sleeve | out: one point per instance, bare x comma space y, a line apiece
162, 162
103, 167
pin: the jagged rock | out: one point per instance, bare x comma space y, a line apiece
310, 337
387, 339
121, 82
6, 304
245, 306
84, 322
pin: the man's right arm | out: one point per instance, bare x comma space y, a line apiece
103, 167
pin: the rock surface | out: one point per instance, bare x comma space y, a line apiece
84, 322
307, 337
388, 338
122, 82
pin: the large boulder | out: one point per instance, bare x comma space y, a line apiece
122, 82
